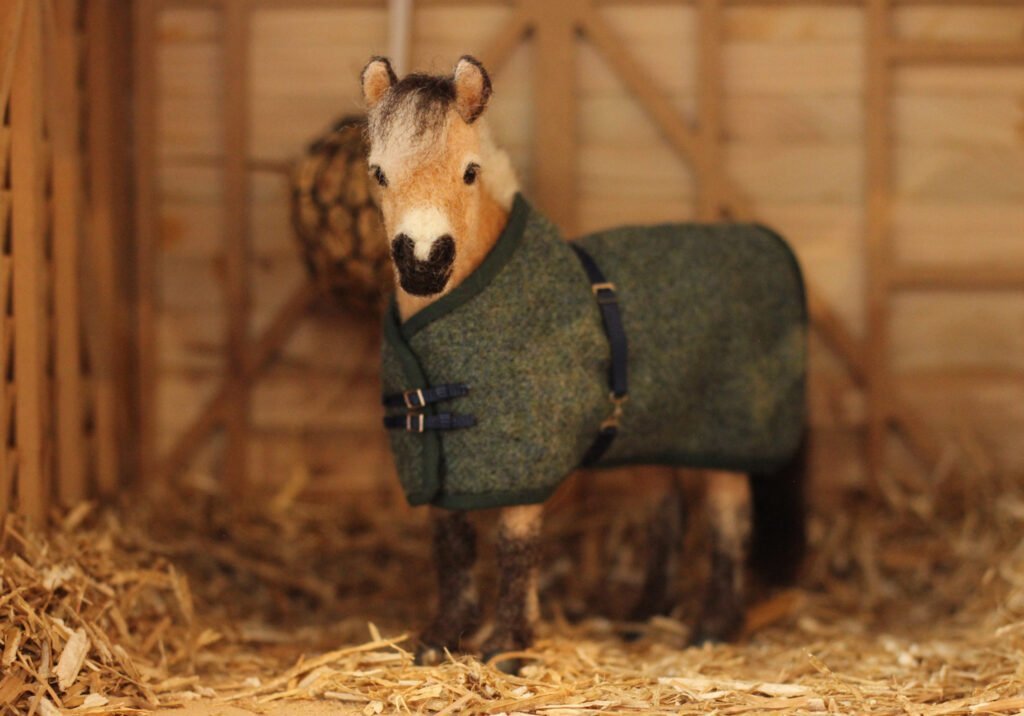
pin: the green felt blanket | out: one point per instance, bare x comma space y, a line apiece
717, 327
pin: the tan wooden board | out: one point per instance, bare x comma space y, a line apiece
826, 173
28, 177
958, 81
959, 234
794, 24
5, 149
932, 329
63, 101
305, 69
966, 175
969, 21
795, 68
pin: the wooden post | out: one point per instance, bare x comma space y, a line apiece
28, 178
108, 218
555, 149
10, 32
147, 290
236, 182
64, 105
876, 190
709, 110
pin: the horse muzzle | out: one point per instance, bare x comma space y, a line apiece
423, 277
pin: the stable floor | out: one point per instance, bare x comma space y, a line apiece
912, 604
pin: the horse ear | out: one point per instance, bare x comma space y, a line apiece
472, 88
377, 78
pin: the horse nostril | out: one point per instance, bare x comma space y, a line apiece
443, 250
401, 248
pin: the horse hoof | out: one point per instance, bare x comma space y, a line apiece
511, 666
716, 633
428, 655
632, 634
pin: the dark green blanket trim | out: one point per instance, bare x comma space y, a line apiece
477, 281
430, 482
491, 500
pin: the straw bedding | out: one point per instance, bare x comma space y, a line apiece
910, 604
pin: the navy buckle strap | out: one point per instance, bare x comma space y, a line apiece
420, 422
417, 398
608, 302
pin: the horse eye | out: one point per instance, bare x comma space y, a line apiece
378, 174
471, 171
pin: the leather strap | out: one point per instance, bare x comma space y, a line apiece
420, 422
618, 381
421, 397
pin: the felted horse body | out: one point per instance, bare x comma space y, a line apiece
512, 357
716, 329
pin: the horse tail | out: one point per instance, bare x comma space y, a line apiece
779, 535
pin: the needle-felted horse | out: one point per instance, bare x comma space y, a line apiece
511, 357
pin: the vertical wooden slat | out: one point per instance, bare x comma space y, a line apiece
27, 188
709, 109
6, 389
555, 152
63, 121
877, 188
11, 14
107, 212
10, 31
147, 290
235, 19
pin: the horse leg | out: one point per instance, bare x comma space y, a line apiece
729, 518
458, 612
664, 541
518, 550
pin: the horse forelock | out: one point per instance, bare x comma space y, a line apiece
411, 115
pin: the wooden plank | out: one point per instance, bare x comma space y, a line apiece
650, 97
554, 91
63, 107
499, 48
264, 349
6, 388
107, 218
28, 177
709, 109
236, 206
11, 21
943, 52
999, 277
877, 187
146, 230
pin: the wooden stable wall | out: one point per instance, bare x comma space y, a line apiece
884, 138
63, 420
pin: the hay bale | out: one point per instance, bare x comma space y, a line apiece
337, 222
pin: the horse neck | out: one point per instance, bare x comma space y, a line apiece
469, 255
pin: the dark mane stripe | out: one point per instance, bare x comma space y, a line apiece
433, 97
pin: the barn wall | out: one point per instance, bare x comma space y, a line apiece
794, 141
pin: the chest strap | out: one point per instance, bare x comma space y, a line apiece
421, 397
420, 422
611, 317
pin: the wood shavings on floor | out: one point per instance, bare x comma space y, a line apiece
192, 603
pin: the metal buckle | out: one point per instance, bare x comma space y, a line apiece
418, 418
604, 286
407, 394
612, 421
